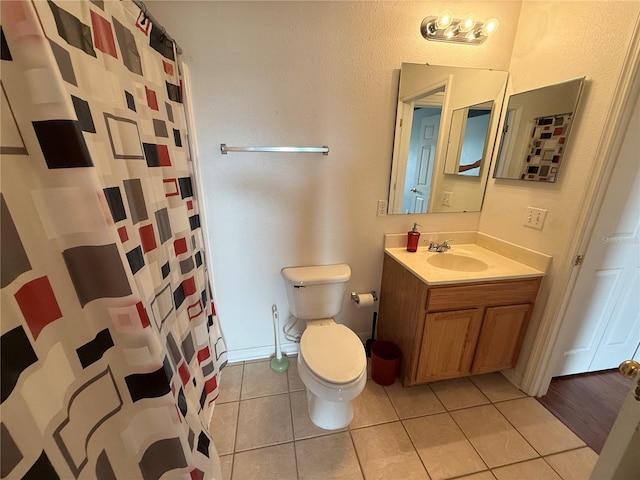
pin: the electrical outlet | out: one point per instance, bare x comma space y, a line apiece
446, 198
382, 208
535, 217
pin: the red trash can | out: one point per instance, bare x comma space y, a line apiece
385, 361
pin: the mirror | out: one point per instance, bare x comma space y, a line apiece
446, 126
536, 130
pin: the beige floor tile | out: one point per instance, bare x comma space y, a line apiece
372, 407
386, 452
295, 383
495, 439
573, 465
264, 421
486, 475
413, 401
496, 388
226, 463
223, 427
276, 463
303, 427
259, 380
538, 426
230, 383
536, 469
443, 447
458, 393
328, 457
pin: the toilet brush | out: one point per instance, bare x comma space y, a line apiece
279, 362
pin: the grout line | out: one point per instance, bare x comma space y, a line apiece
356, 452
519, 432
415, 449
235, 438
469, 440
465, 475
400, 419
565, 451
295, 457
293, 429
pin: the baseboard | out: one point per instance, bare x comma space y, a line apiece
262, 353
515, 378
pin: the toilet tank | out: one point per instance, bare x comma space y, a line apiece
317, 291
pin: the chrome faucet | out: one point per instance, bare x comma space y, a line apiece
443, 247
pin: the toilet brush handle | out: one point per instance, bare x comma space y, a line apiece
276, 326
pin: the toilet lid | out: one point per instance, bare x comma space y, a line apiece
333, 352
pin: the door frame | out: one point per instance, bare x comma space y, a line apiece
402, 137
538, 372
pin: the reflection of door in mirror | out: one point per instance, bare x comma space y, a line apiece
473, 144
417, 133
504, 168
468, 139
422, 152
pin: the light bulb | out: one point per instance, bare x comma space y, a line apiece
444, 19
490, 26
468, 22
451, 31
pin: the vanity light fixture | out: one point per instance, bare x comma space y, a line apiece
446, 28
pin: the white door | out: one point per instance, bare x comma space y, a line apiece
605, 304
620, 456
424, 150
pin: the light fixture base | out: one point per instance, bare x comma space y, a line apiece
430, 31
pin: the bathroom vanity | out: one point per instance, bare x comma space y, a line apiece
457, 313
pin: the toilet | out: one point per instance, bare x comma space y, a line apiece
332, 362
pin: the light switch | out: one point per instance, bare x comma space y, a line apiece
535, 217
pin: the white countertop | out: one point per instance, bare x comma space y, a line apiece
498, 267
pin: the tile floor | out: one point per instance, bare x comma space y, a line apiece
477, 428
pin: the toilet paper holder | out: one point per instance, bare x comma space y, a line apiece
356, 296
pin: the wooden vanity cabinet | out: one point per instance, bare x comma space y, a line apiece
449, 331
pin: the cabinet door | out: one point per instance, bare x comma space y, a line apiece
501, 337
448, 344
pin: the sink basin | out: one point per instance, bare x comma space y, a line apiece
459, 263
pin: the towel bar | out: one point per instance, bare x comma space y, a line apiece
324, 149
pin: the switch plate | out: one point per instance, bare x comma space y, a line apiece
382, 208
446, 198
535, 217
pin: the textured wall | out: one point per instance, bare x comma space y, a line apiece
306, 73
555, 42
326, 73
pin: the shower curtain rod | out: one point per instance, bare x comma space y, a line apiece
143, 7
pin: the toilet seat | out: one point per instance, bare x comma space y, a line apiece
333, 352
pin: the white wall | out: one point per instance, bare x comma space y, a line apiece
557, 41
306, 73
310, 73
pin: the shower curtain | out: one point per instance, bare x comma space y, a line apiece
110, 345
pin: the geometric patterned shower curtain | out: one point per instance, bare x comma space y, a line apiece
110, 346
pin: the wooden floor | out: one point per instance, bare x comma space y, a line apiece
588, 403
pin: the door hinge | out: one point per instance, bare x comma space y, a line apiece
401, 122
578, 259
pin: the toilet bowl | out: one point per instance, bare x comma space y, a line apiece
332, 362
332, 365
